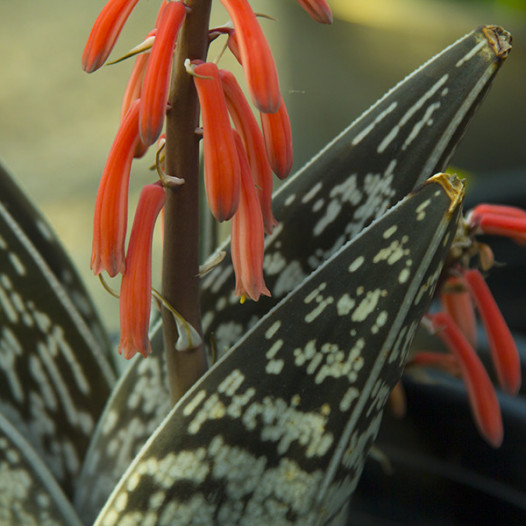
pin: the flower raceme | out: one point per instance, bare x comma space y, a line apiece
465, 289
136, 285
238, 170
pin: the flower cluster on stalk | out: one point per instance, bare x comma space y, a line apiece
239, 160
463, 293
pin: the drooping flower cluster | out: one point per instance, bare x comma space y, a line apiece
464, 291
238, 163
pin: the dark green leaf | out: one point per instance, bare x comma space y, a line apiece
54, 373
341, 190
29, 495
278, 430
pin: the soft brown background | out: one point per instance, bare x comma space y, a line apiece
57, 123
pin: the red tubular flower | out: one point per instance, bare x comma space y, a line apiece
458, 303
133, 93
318, 10
278, 140
156, 84
247, 239
222, 172
134, 86
499, 220
503, 349
256, 57
111, 207
442, 361
105, 32
136, 285
482, 396
247, 126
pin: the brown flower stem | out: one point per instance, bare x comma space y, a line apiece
181, 232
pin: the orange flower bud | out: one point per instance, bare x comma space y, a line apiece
278, 140
499, 220
105, 32
247, 240
503, 349
256, 57
136, 285
156, 84
458, 304
222, 176
247, 126
482, 396
111, 207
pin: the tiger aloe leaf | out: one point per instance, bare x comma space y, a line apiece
403, 139
30, 493
342, 188
279, 428
55, 376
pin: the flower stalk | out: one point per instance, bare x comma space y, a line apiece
180, 269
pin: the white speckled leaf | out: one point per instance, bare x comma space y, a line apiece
329, 201
406, 137
29, 494
278, 430
54, 373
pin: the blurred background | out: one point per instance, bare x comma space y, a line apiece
58, 123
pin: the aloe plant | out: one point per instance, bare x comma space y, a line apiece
278, 428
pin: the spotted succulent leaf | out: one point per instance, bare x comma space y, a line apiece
278, 430
30, 494
403, 139
141, 400
324, 204
55, 376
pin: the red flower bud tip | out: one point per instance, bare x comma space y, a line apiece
222, 171
499, 220
111, 207
136, 285
278, 140
156, 84
482, 396
318, 10
105, 32
256, 57
458, 303
503, 349
247, 240
247, 126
